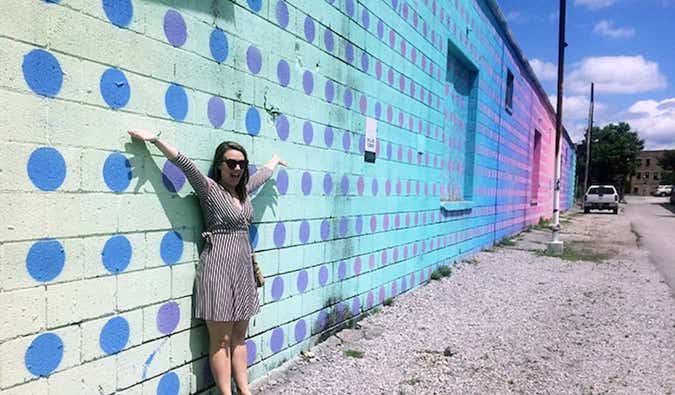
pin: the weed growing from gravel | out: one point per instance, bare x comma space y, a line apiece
507, 242
354, 353
442, 271
388, 302
574, 254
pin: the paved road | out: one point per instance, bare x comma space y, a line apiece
654, 220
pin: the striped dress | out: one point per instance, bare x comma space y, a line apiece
225, 286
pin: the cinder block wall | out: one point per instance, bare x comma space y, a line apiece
100, 236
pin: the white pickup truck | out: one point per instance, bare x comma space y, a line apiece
601, 197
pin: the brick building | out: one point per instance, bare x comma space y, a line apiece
648, 175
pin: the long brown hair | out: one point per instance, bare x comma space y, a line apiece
219, 157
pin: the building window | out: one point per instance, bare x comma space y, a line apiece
648, 162
646, 176
509, 92
536, 158
462, 101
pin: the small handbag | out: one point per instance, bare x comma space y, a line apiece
257, 273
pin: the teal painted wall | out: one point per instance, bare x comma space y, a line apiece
101, 235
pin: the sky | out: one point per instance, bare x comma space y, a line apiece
627, 47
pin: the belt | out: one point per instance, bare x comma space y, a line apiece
207, 234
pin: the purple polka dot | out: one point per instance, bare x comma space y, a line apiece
392, 38
172, 177
373, 223
387, 187
279, 234
363, 104
383, 257
397, 221
175, 29
216, 111
359, 185
398, 187
378, 69
342, 270
328, 136
359, 225
323, 275
304, 231
308, 82
310, 30
307, 132
283, 73
321, 320
344, 185
394, 289
362, 144
378, 110
357, 265
380, 29
300, 331
282, 13
329, 91
343, 226
348, 98
404, 285
349, 7
385, 222
365, 18
394, 3
370, 299
329, 40
364, 62
327, 184
306, 183
356, 306
254, 59
251, 352
302, 281
395, 257
346, 141
349, 53
325, 230
382, 294
281, 124
374, 187
390, 76
168, 317
282, 182
277, 340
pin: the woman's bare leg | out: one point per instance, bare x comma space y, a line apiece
239, 356
220, 338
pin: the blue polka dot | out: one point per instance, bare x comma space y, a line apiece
219, 45
119, 12
44, 354
171, 247
253, 235
115, 88
46, 168
117, 172
114, 335
256, 5
279, 234
176, 102
45, 260
169, 384
42, 72
116, 254
253, 121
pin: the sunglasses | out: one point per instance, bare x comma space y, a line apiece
232, 164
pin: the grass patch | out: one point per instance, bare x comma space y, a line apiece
506, 242
543, 224
354, 353
440, 272
388, 302
574, 253
413, 381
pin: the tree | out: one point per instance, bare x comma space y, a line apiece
667, 163
614, 153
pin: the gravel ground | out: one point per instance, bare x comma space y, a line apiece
511, 321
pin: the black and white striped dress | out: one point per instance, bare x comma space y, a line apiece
226, 289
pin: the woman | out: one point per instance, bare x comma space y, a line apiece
226, 291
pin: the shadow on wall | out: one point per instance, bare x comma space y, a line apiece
223, 9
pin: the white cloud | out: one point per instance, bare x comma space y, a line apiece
605, 28
594, 4
655, 121
615, 74
575, 114
545, 71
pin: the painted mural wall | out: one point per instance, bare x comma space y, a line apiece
101, 235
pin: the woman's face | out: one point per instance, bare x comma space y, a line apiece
232, 167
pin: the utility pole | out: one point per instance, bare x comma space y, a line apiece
555, 247
588, 141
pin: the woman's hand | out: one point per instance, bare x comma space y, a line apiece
277, 161
143, 135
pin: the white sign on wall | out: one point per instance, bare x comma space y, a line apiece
371, 140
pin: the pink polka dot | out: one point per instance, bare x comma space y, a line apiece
378, 69
371, 261
394, 289
405, 252
387, 187
392, 38
382, 294
359, 185
357, 265
400, 119
407, 220
399, 154
398, 187
417, 219
407, 187
395, 257
390, 113
363, 104
369, 299
401, 82
390, 76
384, 257
385, 222
403, 48
373, 223
414, 250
